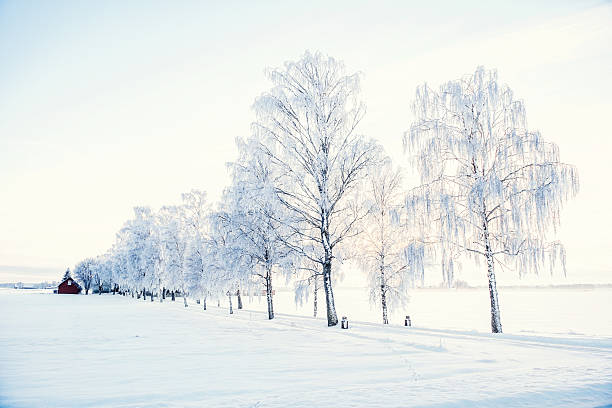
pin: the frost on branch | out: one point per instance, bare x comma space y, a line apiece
490, 187
257, 222
392, 266
83, 272
307, 123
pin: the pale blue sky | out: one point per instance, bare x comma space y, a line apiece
108, 105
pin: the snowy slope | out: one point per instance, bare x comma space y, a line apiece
111, 351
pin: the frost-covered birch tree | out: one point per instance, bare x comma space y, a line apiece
491, 188
84, 271
195, 273
308, 278
101, 272
257, 220
382, 243
224, 264
173, 243
142, 252
118, 266
308, 122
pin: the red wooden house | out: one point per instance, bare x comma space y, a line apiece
69, 286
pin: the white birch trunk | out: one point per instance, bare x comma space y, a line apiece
332, 317
383, 294
496, 326
269, 294
239, 299
316, 293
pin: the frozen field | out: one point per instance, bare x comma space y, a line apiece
111, 351
523, 310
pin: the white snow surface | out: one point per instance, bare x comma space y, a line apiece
115, 351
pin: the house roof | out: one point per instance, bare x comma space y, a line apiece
69, 279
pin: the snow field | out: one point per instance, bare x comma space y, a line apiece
545, 311
114, 351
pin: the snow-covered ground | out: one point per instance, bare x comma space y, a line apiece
553, 310
113, 351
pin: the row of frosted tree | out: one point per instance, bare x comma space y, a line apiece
309, 191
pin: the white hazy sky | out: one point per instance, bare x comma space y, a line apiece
108, 105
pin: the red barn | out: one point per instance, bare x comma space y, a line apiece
69, 286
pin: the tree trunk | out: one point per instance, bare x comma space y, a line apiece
316, 293
496, 326
151, 295
204, 302
163, 293
332, 317
269, 294
185, 299
229, 295
383, 294
173, 296
144, 294
239, 299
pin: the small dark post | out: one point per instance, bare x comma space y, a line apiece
344, 323
407, 322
